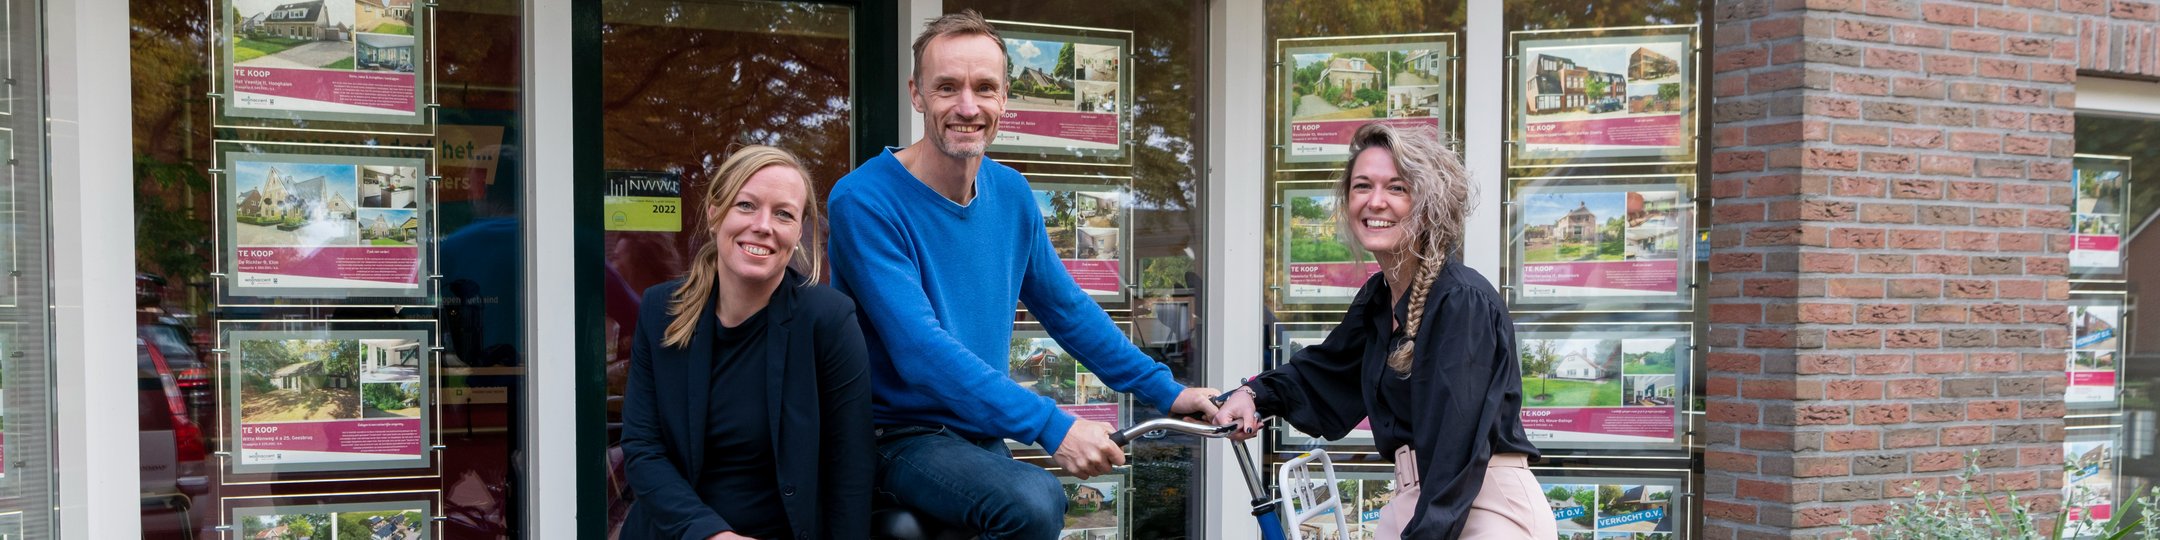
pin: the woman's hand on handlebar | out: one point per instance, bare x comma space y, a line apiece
1238, 409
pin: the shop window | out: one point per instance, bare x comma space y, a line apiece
2111, 376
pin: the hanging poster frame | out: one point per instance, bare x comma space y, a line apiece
337, 66
326, 224
1565, 110
319, 400
1414, 90
1038, 126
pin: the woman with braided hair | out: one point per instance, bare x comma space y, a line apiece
1426, 351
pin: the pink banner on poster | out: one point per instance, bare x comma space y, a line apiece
1095, 275
1637, 276
1651, 131
1337, 274
1651, 422
398, 437
393, 91
1338, 132
2092, 378
1100, 412
2100, 512
2097, 242
1099, 128
400, 265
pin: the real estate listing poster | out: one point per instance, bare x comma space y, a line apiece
2089, 480
1620, 241
1094, 508
1088, 226
1294, 337
2096, 349
1603, 386
1039, 363
2097, 214
1586, 508
1319, 263
1362, 495
328, 396
389, 520
346, 224
1068, 92
361, 61
1331, 86
1581, 94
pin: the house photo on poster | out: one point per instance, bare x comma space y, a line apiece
1612, 508
301, 222
399, 520
1619, 241
1603, 386
335, 60
1330, 86
1319, 266
2089, 480
1603, 97
2096, 351
1362, 495
1068, 92
1294, 337
328, 396
1038, 363
1094, 508
2096, 220
1087, 225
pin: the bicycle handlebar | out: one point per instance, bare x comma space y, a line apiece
1126, 435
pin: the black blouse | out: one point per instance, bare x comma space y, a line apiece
739, 482
1461, 404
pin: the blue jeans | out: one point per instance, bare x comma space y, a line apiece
975, 484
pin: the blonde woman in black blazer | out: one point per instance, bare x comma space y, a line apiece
747, 413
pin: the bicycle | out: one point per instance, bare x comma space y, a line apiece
1312, 499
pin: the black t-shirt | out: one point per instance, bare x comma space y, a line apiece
739, 480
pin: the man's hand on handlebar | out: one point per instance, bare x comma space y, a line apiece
1196, 402
1087, 450
1238, 409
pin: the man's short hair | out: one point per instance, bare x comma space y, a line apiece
965, 23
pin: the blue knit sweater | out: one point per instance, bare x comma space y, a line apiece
937, 283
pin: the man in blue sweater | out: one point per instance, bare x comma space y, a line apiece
937, 243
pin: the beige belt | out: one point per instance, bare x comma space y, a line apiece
1406, 471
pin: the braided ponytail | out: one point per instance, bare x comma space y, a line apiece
1399, 359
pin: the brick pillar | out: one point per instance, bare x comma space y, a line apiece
1891, 202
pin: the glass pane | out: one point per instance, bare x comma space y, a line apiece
26, 460
2113, 355
268, 250
684, 84
1135, 217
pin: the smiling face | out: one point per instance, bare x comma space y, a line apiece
759, 229
959, 88
1378, 202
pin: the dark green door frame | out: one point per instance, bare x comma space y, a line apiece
876, 120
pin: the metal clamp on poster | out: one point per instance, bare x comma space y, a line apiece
1642, 507
1617, 386
394, 515
1617, 243
1090, 228
324, 65
320, 224
1319, 268
327, 397
1607, 95
1330, 86
1069, 98
2098, 208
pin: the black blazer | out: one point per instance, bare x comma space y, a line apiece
820, 416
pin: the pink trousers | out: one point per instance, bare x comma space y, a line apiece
1509, 505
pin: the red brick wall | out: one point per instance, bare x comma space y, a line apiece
2119, 37
1891, 196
